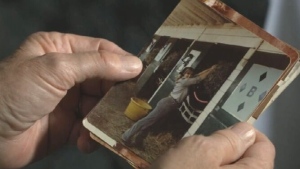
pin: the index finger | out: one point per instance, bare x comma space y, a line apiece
48, 42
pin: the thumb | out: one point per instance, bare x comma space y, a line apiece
232, 143
64, 70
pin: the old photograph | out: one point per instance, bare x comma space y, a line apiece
201, 73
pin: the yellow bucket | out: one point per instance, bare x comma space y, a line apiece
137, 109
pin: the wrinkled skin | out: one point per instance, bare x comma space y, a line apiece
48, 85
238, 147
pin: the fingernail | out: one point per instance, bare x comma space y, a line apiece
245, 131
131, 63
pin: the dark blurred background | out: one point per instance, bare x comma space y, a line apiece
128, 23
131, 24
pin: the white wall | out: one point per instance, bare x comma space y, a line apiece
228, 34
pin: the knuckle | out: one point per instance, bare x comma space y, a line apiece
51, 62
229, 140
201, 141
107, 60
56, 62
101, 58
54, 69
37, 34
203, 145
42, 34
46, 36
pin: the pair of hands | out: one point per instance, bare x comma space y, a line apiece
51, 74
206, 72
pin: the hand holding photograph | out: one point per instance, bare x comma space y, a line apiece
206, 68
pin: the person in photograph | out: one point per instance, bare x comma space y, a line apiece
200, 94
164, 106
